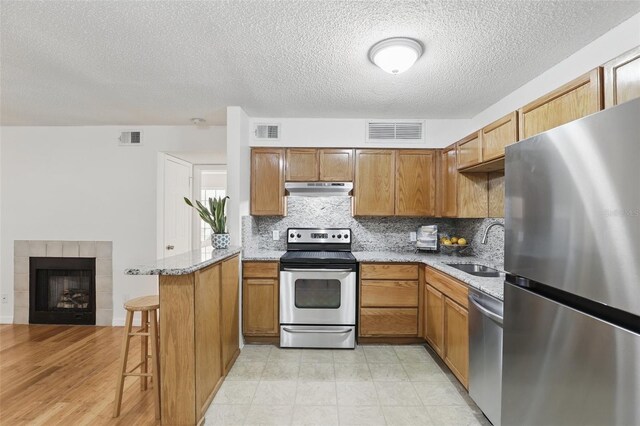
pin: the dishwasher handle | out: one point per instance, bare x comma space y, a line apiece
493, 316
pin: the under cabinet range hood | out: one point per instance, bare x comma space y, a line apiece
318, 189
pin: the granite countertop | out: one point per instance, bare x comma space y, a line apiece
186, 263
492, 286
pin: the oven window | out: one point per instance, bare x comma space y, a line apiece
317, 294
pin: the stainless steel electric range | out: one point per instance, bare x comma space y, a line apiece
318, 289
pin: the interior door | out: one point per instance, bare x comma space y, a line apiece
177, 215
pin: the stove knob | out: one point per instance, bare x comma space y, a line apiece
299, 236
339, 236
346, 236
333, 236
292, 235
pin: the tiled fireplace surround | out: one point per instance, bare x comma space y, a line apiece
101, 250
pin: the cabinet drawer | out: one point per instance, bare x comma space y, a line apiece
449, 286
389, 271
389, 293
389, 321
260, 269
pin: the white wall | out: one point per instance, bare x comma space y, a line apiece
76, 183
613, 43
238, 171
347, 132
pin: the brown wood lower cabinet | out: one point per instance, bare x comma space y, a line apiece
260, 299
389, 300
434, 319
456, 338
446, 324
198, 338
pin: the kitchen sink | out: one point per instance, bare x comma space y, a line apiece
477, 269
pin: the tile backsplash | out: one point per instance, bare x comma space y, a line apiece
369, 233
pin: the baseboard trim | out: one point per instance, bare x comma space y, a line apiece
6, 319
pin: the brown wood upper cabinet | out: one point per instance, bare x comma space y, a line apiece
324, 165
267, 182
622, 78
470, 151
302, 165
260, 299
336, 165
576, 99
484, 151
415, 182
448, 182
461, 194
374, 188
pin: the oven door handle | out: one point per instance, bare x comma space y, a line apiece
316, 270
342, 331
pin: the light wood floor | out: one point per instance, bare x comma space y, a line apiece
67, 375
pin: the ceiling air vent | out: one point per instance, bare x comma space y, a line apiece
131, 138
267, 131
381, 131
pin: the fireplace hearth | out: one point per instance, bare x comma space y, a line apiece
62, 290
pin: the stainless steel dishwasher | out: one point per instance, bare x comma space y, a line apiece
485, 353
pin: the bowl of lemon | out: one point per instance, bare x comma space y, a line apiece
451, 245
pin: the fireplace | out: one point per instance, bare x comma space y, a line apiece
62, 290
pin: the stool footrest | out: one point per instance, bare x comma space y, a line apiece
136, 333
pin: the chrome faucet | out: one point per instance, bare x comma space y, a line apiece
486, 232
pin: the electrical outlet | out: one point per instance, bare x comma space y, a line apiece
4, 298
412, 236
276, 235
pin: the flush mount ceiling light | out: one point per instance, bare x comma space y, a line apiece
395, 55
198, 121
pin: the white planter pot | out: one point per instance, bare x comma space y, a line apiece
220, 241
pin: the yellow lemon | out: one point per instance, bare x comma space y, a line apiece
454, 240
447, 242
462, 241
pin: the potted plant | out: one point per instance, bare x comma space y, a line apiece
216, 218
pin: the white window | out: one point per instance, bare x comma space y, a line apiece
210, 181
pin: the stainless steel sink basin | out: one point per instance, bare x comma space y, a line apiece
477, 269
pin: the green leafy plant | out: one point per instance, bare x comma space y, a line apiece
214, 215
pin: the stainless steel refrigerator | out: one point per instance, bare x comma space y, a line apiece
571, 350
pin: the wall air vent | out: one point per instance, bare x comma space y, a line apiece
267, 132
131, 138
395, 131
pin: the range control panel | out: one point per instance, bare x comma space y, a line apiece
319, 235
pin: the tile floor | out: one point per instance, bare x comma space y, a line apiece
371, 385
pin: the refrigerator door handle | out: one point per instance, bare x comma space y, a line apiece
494, 317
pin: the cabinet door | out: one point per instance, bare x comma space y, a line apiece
267, 182
415, 182
576, 99
336, 165
622, 78
497, 135
449, 177
302, 165
260, 307
230, 313
434, 318
456, 352
375, 182
207, 335
469, 151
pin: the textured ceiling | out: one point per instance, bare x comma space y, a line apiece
108, 62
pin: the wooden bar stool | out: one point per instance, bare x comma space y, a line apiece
148, 307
